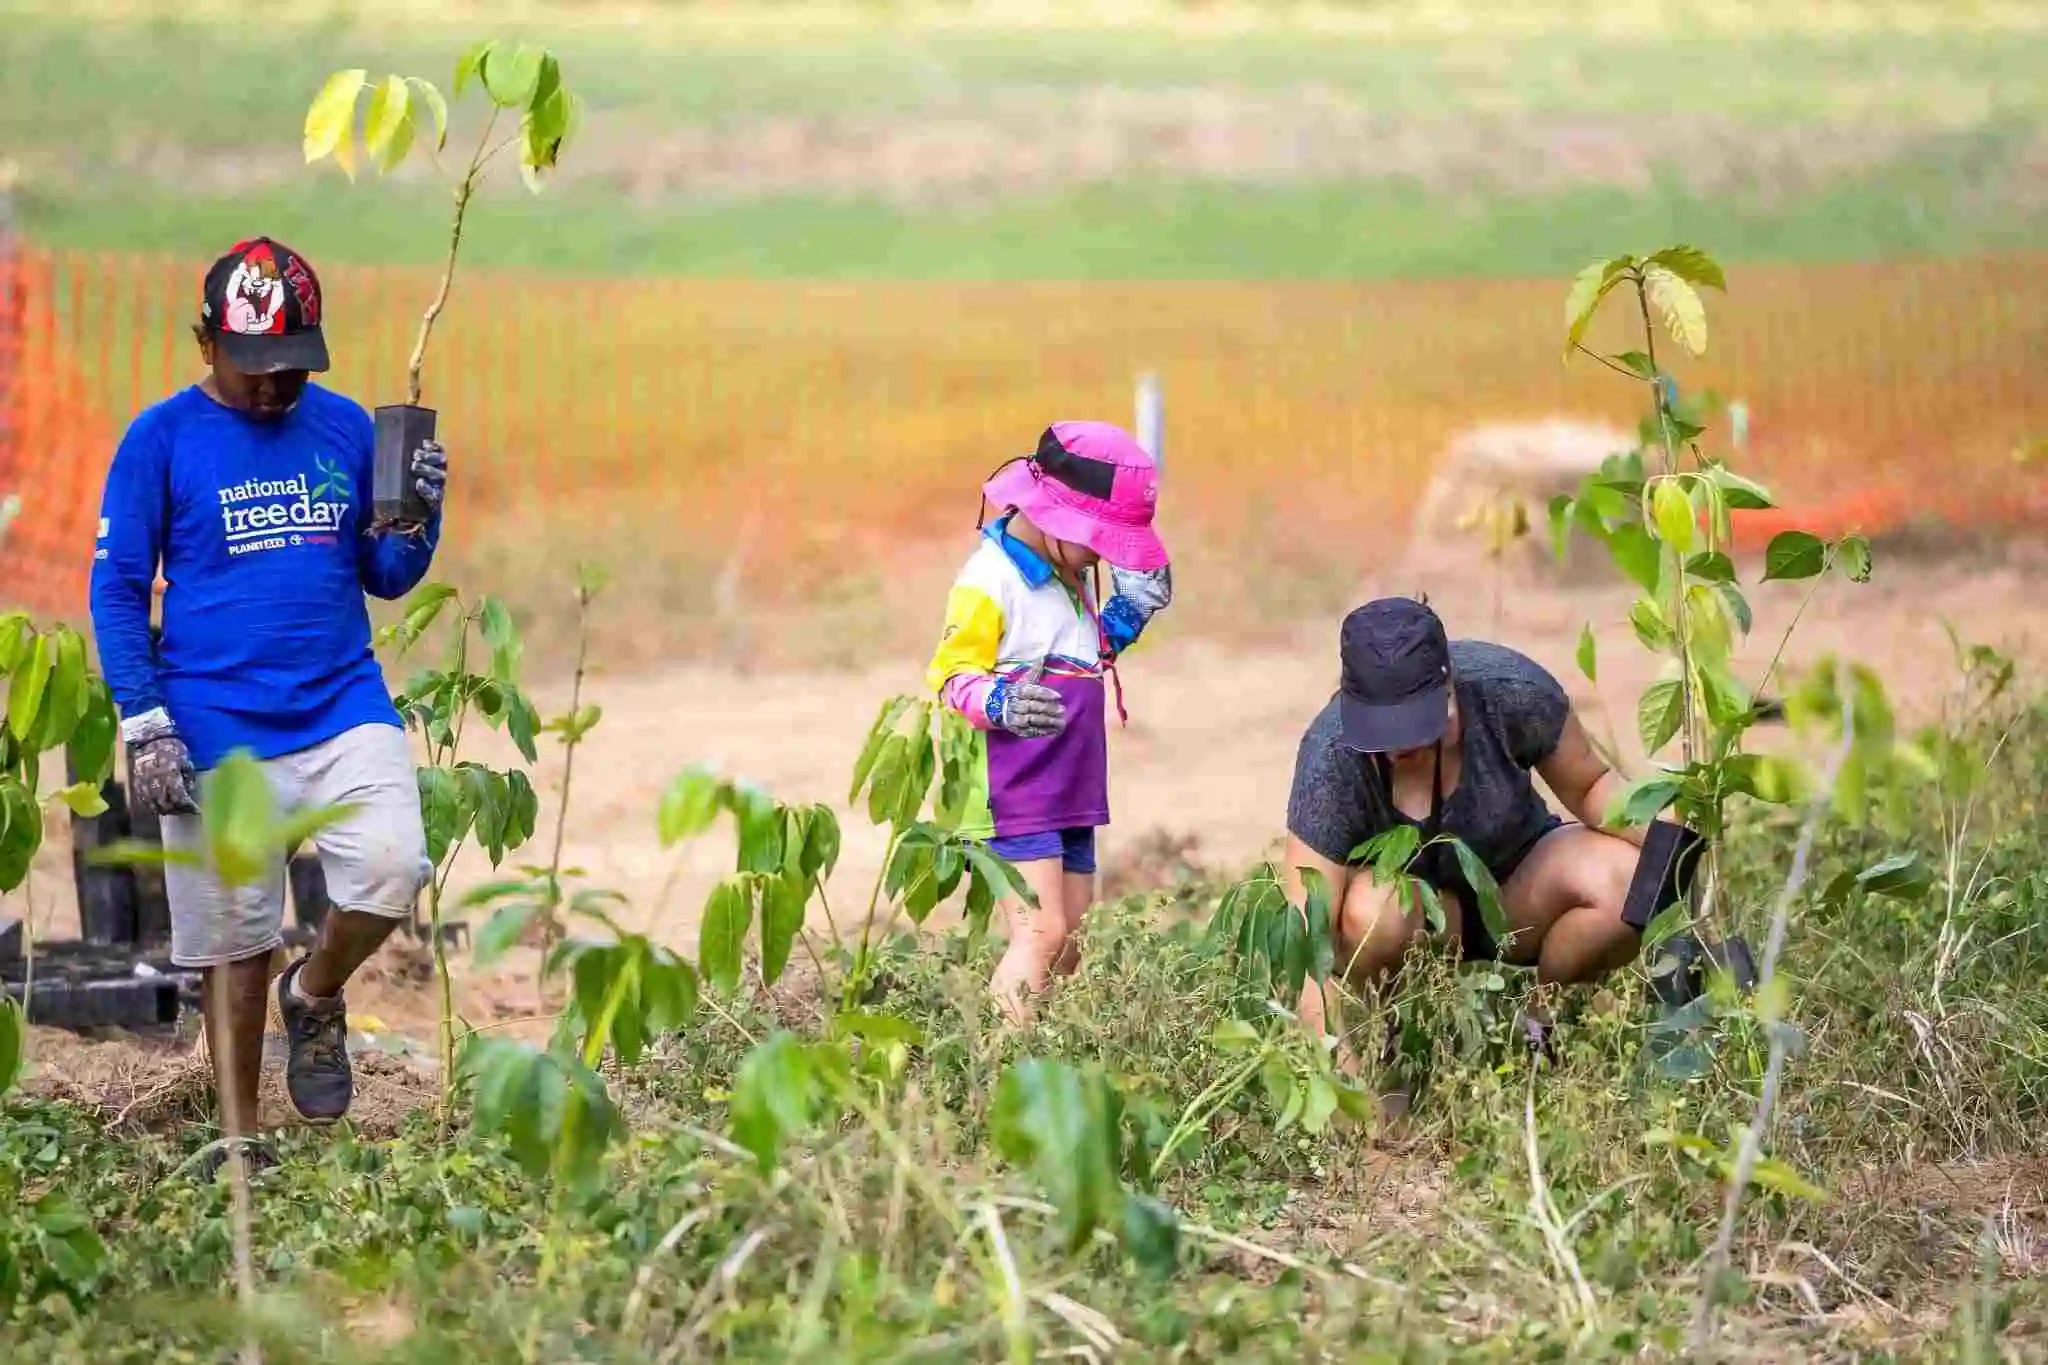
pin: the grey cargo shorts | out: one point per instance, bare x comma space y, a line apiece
375, 859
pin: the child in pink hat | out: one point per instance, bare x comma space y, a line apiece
1023, 658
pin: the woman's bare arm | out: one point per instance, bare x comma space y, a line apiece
1583, 782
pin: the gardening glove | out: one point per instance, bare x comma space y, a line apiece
430, 473
1148, 590
160, 773
1028, 710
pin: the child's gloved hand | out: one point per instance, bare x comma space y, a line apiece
1027, 710
1148, 591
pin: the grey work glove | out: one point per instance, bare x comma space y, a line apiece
430, 473
1028, 710
160, 775
1148, 590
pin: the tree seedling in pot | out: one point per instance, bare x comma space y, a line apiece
516, 79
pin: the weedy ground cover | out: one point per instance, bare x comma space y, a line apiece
902, 1210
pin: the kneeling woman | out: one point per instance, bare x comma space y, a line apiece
1443, 735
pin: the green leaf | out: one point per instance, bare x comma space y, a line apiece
1590, 286
387, 128
25, 689
875, 1028
1794, 555
775, 1095
1772, 1174
503, 638
12, 1036
522, 809
1636, 554
1053, 1120
1852, 555
16, 633
820, 853
1737, 604
1726, 700
1636, 363
1648, 621
1151, 1234
1660, 714
878, 734
1741, 494
330, 120
445, 811
90, 751
1766, 777
1711, 566
1562, 511
763, 827
522, 723
1587, 655
1903, 876
1432, 906
67, 694
782, 917
1390, 851
1709, 633
690, 805
1641, 801
503, 930
1692, 265
422, 608
1672, 511
470, 65
1678, 303
239, 811
723, 932
82, 798
510, 74
21, 831
1480, 878
552, 1111
437, 105
1319, 1105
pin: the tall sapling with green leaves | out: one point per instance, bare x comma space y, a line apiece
517, 80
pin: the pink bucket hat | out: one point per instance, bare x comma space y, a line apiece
1090, 483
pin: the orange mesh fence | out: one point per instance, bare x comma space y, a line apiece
812, 419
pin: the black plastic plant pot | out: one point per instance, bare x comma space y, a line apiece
396, 501
1664, 872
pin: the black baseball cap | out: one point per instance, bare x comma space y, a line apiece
1396, 691
261, 302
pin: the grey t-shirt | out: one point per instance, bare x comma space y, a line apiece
1513, 712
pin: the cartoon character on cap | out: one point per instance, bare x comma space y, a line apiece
1026, 654
255, 295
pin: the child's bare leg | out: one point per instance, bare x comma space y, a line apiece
1077, 895
1037, 938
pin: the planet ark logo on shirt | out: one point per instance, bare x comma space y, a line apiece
270, 514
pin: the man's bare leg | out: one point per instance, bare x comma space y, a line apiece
348, 939
235, 1002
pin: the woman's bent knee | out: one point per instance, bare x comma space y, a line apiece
1374, 929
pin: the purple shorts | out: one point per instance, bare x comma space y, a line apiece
1075, 848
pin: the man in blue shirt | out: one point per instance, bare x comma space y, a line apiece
248, 490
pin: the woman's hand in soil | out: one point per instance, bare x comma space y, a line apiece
1027, 710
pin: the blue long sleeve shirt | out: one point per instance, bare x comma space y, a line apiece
259, 529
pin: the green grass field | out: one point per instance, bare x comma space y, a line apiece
1506, 153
